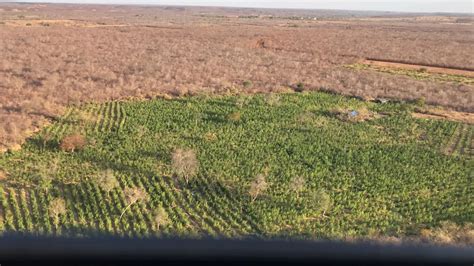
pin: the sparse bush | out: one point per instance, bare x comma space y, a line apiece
234, 117
210, 136
107, 180
3, 175
73, 142
161, 218
184, 164
247, 84
297, 185
56, 208
300, 87
305, 117
133, 195
258, 186
45, 139
272, 99
44, 180
242, 101
321, 201
421, 102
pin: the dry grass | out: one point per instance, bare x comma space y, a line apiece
449, 233
45, 68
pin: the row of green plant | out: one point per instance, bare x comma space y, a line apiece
310, 165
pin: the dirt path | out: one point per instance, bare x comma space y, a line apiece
463, 117
429, 69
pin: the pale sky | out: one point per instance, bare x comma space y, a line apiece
464, 6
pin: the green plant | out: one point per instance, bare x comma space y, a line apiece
421, 102
297, 185
300, 87
107, 180
247, 84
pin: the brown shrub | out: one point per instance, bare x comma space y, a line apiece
73, 142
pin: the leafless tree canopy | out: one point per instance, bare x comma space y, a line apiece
55, 55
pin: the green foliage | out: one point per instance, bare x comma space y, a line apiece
247, 84
387, 172
300, 87
107, 180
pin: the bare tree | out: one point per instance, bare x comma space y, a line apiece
107, 180
56, 208
297, 185
184, 164
161, 218
258, 186
321, 201
132, 196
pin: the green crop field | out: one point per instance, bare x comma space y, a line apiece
324, 172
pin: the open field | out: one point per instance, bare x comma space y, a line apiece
324, 172
52, 56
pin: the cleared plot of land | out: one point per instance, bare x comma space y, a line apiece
326, 172
416, 72
425, 68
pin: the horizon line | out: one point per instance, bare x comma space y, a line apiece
241, 7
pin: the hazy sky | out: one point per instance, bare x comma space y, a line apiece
465, 6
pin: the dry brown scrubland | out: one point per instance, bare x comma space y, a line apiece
155, 51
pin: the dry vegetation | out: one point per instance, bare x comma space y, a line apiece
73, 142
60, 60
